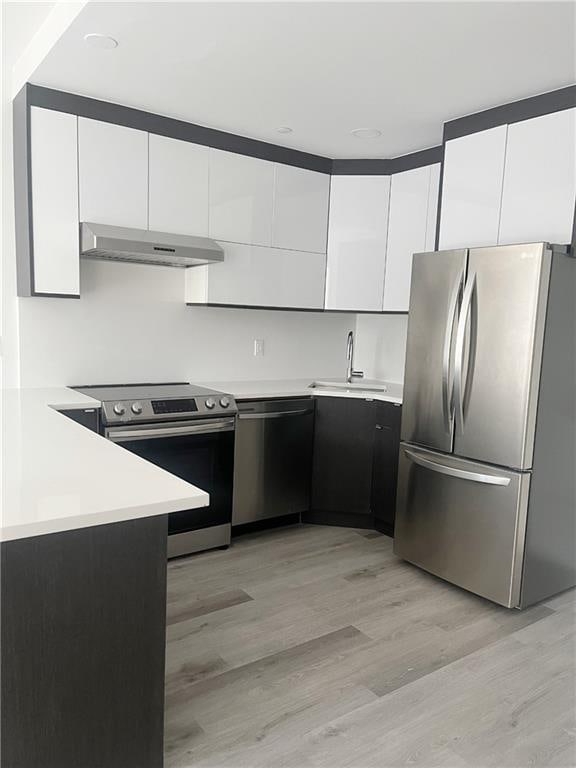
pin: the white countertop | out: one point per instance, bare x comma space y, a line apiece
59, 476
250, 390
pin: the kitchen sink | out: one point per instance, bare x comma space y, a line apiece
358, 385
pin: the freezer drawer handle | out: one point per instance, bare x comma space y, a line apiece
463, 474
274, 414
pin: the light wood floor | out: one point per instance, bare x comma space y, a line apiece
314, 647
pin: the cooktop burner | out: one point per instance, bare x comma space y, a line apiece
127, 403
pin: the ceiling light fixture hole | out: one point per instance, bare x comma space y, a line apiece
366, 133
103, 42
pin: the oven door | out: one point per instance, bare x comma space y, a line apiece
200, 452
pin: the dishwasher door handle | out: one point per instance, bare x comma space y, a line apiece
274, 414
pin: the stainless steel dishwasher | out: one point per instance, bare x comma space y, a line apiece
272, 459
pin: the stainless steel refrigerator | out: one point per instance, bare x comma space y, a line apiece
486, 491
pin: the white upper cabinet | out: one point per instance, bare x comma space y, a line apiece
241, 194
178, 186
357, 229
300, 218
113, 174
253, 275
411, 229
432, 216
540, 180
472, 189
54, 155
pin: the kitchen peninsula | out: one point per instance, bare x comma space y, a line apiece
83, 532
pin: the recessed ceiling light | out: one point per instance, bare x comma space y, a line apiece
284, 129
366, 133
104, 42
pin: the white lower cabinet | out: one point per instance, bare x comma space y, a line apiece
259, 276
411, 229
540, 180
54, 164
357, 231
472, 189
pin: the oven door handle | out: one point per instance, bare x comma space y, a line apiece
206, 427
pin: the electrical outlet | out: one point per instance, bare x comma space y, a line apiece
258, 347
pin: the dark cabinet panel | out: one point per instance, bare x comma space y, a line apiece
385, 466
342, 466
83, 635
355, 463
88, 417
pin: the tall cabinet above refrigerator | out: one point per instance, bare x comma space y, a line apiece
486, 496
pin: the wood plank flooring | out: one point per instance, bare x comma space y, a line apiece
315, 647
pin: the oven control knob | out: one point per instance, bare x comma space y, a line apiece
137, 408
224, 402
119, 409
210, 403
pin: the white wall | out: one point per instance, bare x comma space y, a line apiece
380, 347
131, 324
28, 31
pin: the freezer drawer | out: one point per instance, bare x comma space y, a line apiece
272, 459
462, 521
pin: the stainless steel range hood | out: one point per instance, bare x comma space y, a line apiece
103, 241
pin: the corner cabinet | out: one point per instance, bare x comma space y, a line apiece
357, 233
411, 229
355, 463
376, 224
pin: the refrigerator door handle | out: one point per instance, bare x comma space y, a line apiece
447, 385
463, 474
459, 355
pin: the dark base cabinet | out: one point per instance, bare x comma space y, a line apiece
385, 466
82, 647
355, 463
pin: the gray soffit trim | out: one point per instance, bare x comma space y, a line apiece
23, 197
386, 167
439, 204
84, 106
535, 106
106, 111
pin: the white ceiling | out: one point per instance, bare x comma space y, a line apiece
322, 68
21, 21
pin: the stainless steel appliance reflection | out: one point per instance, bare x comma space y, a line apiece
486, 495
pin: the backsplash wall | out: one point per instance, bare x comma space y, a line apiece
381, 346
131, 324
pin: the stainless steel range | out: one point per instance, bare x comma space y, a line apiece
188, 431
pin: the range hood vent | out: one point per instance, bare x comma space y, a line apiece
103, 241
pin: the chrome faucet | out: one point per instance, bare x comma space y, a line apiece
350, 372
